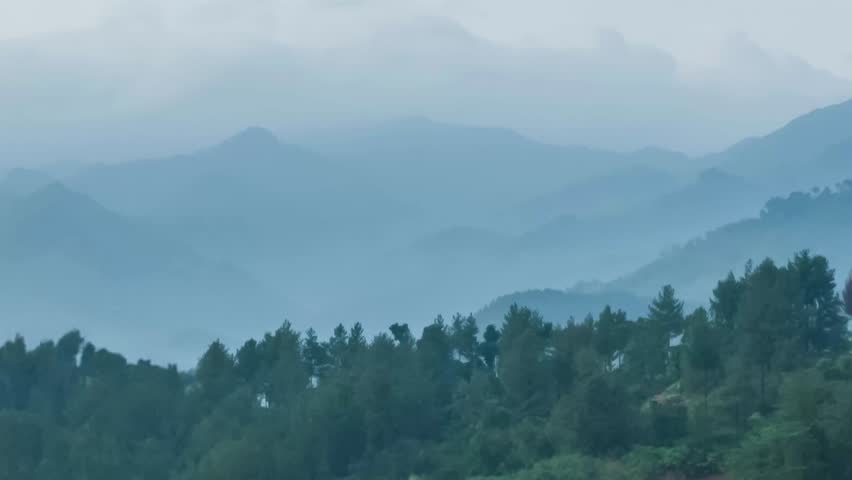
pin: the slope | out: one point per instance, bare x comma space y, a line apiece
69, 262
820, 220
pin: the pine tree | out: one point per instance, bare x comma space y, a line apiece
337, 345
524, 364
702, 350
316, 356
463, 335
215, 372
821, 327
611, 335
489, 348
402, 334
726, 300
666, 312
765, 318
247, 360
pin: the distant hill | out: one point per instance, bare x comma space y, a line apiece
599, 196
601, 247
54, 220
714, 198
464, 241
833, 164
69, 262
820, 220
249, 193
787, 156
559, 306
466, 171
814, 149
22, 181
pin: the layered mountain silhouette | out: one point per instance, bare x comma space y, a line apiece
676, 213
21, 181
820, 220
560, 306
476, 171
609, 194
55, 221
67, 259
249, 192
408, 218
792, 156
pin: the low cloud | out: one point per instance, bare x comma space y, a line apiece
148, 79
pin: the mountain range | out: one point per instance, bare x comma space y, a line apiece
404, 219
250, 191
67, 259
820, 221
801, 154
464, 172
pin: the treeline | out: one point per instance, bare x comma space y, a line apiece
758, 386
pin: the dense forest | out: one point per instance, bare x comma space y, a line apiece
758, 385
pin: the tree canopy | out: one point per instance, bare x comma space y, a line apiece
757, 386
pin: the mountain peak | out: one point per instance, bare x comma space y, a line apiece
23, 181
789, 151
56, 195
252, 140
715, 174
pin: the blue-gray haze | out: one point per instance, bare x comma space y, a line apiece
172, 175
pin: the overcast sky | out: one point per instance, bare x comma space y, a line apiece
102, 79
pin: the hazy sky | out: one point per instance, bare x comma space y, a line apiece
119, 78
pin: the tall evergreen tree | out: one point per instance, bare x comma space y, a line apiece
402, 334
338, 345
666, 312
726, 300
315, 353
464, 337
215, 372
702, 349
611, 335
524, 363
821, 326
765, 318
489, 348
248, 360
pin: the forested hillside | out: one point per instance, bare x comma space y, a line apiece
757, 386
820, 219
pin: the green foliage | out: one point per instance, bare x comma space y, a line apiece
726, 300
666, 312
568, 467
759, 387
525, 366
612, 331
785, 450
702, 351
651, 463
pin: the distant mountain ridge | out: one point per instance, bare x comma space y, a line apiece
561, 306
58, 220
67, 259
251, 185
605, 195
787, 155
820, 221
475, 170
22, 181
408, 216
